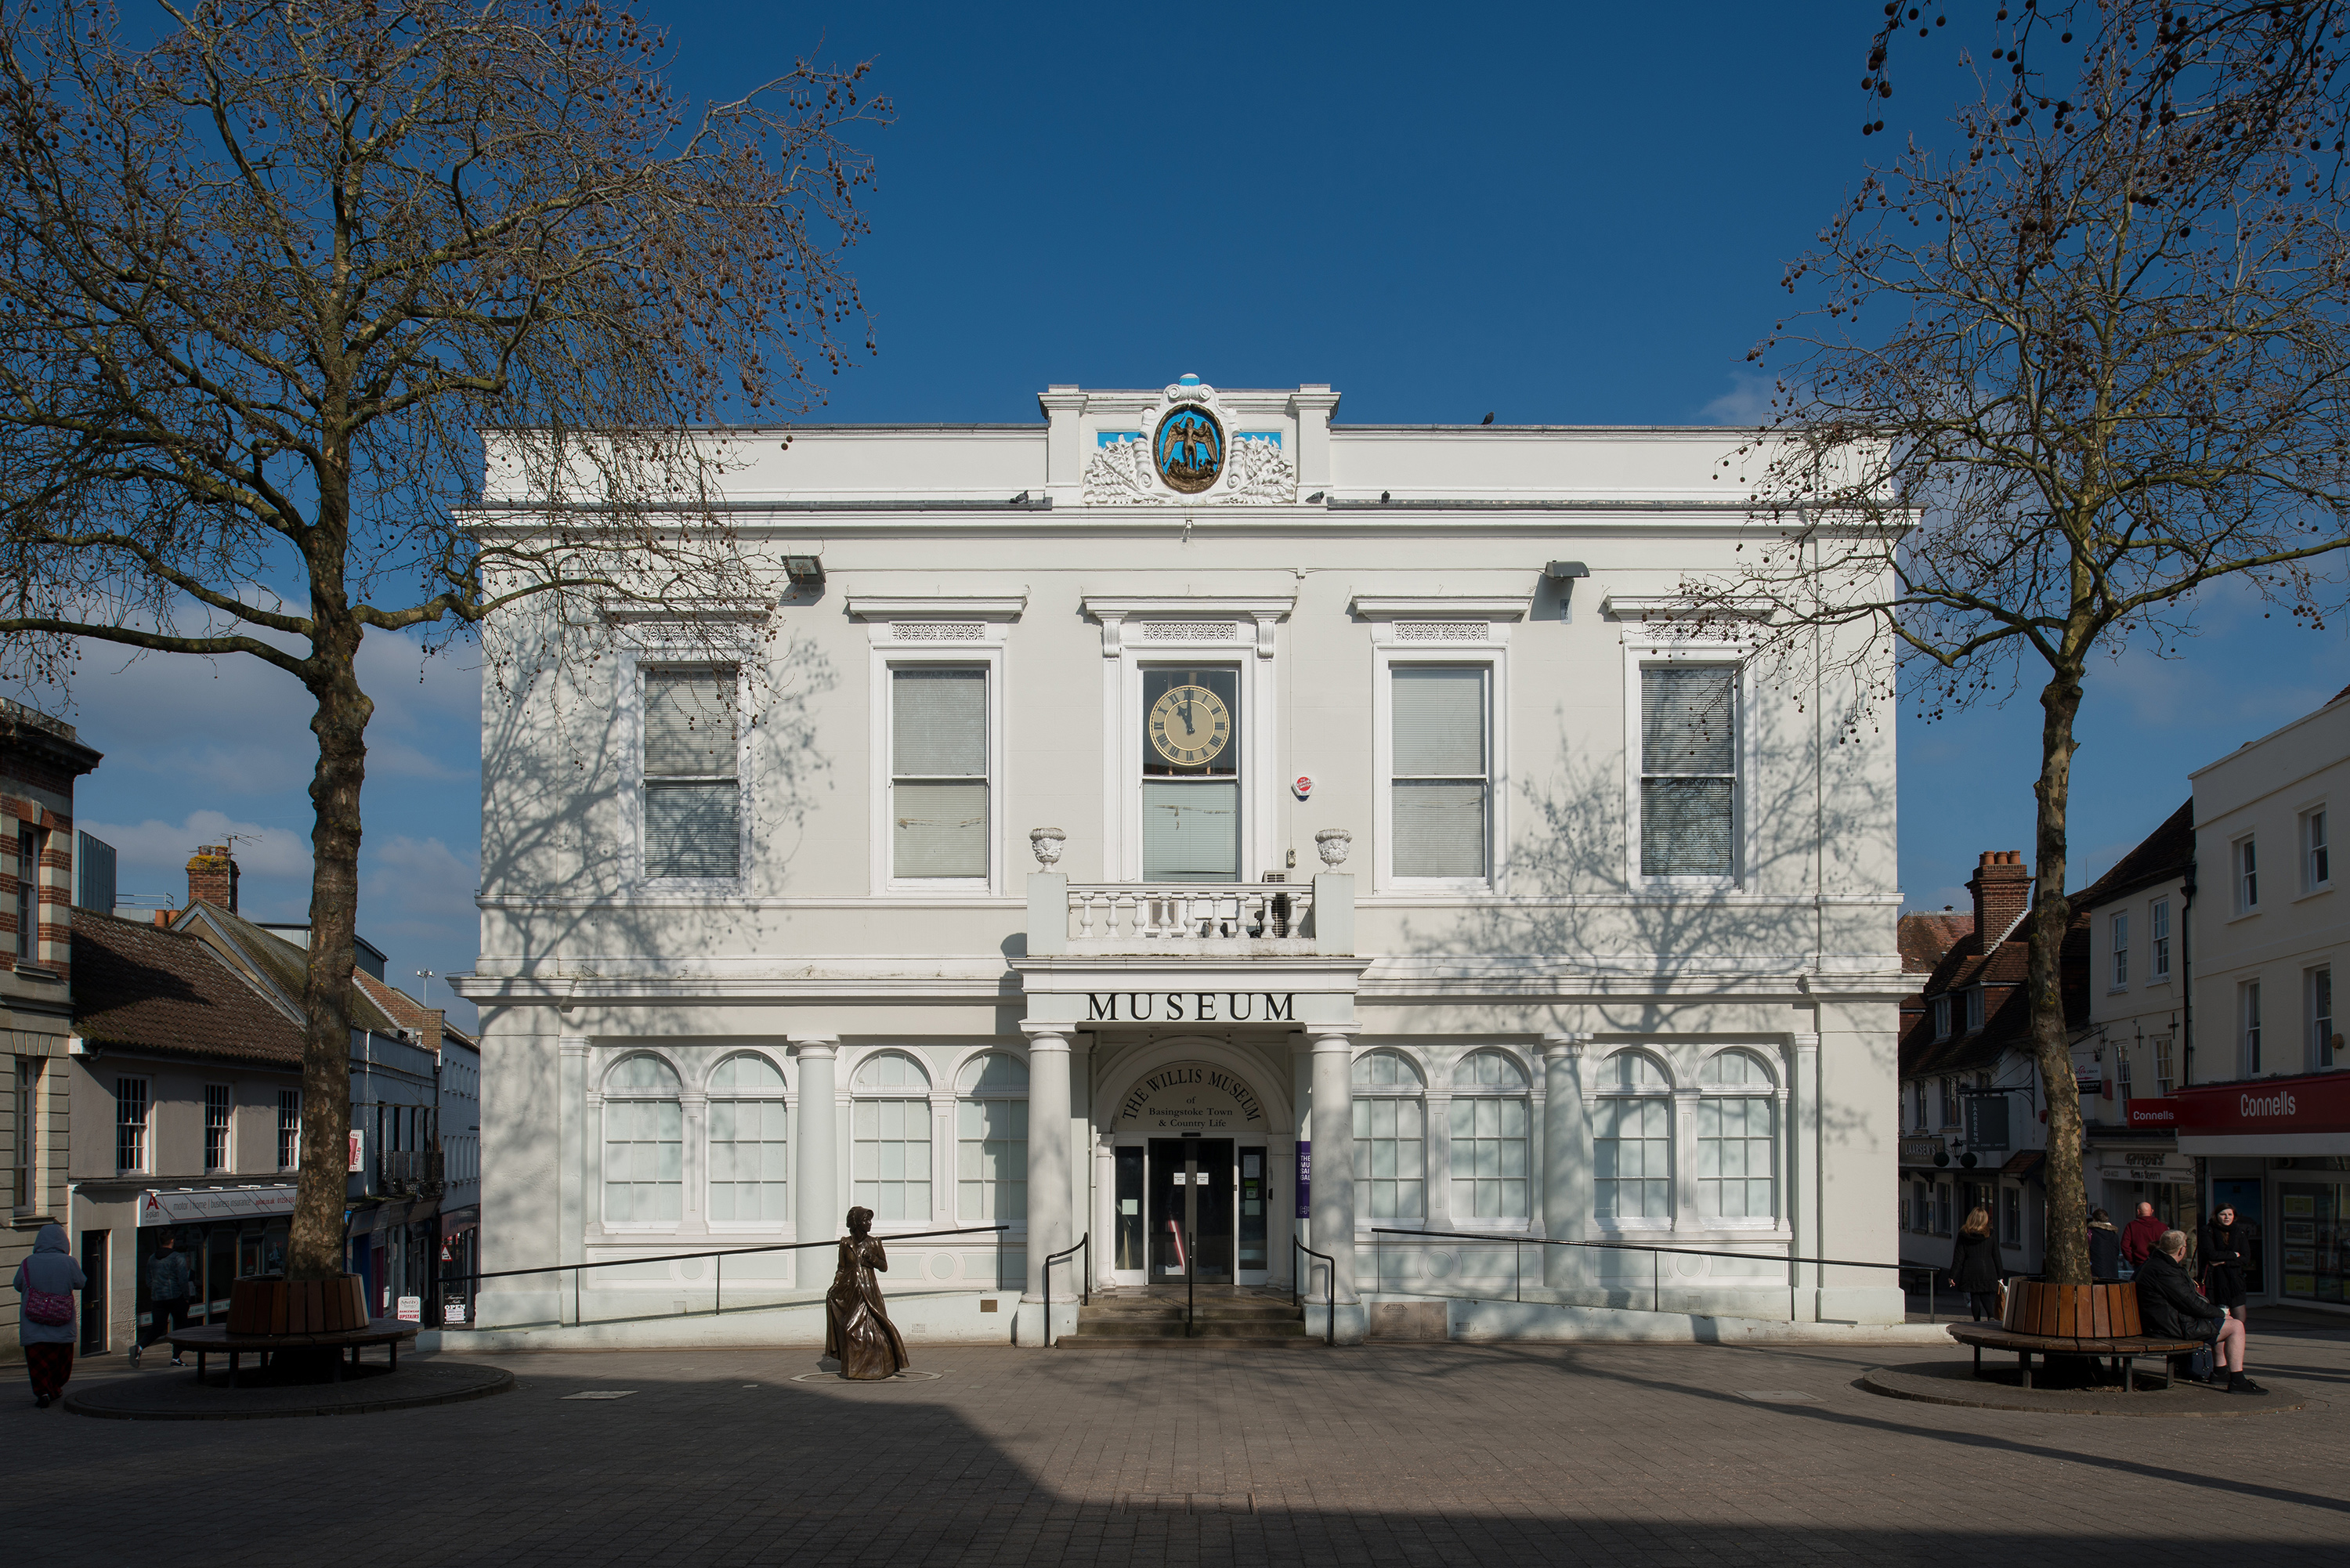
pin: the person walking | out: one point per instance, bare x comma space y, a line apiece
1974, 1264
2104, 1247
45, 1282
2168, 1307
169, 1286
2141, 1235
2227, 1257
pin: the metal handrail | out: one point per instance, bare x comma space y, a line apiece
1656, 1281
721, 1254
1298, 1289
1085, 1281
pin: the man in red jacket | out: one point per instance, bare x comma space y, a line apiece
2141, 1235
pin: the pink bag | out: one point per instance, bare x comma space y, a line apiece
53, 1308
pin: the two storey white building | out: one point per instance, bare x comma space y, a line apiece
1194, 828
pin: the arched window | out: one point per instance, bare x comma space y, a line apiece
1390, 1165
889, 1133
644, 1144
1737, 1149
1632, 1139
992, 1141
749, 1159
1490, 1117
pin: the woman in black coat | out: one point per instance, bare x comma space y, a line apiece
2227, 1247
1974, 1264
2104, 1247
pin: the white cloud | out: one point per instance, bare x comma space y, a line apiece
1748, 402
156, 848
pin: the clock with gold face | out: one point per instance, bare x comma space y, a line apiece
1190, 725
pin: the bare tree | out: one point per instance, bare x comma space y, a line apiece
269, 270
2110, 371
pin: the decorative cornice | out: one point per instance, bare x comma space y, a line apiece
1671, 608
1438, 607
941, 607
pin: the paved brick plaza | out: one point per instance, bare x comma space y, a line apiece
1451, 1454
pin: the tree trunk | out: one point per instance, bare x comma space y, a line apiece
2066, 1252
340, 724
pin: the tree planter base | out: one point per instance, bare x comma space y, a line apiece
271, 1303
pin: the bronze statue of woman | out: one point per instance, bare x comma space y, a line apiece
858, 1331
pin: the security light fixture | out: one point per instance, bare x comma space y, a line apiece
1563, 573
805, 571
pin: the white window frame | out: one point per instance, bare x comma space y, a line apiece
2121, 947
290, 1099
938, 1121
712, 1095
600, 1108
227, 1093
2244, 873
1643, 650
1531, 1100
953, 1201
1670, 1094
909, 633
2248, 1026
1417, 1091
1489, 654
2312, 830
647, 649
2317, 1006
1940, 1008
1774, 1089
24, 1155
1130, 642
145, 1124
2158, 931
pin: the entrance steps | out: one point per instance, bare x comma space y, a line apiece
1153, 1319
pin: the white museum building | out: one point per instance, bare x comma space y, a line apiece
1196, 830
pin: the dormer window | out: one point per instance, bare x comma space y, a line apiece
1975, 1008
1941, 1018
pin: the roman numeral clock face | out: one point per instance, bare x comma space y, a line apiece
1190, 725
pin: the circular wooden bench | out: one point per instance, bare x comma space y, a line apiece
269, 1313
2097, 1320
218, 1339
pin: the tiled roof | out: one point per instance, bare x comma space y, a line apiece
140, 985
406, 1011
1924, 939
2163, 854
285, 965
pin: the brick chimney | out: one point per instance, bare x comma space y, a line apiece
211, 877
2002, 890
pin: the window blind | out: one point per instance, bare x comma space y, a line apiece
1439, 799
938, 747
1191, 830
1689, 770
692, 802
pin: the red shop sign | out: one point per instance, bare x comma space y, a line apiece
2313, 1102
2154, 1113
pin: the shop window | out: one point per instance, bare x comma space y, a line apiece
750, 1165
1632, 1144
693, 790
131, 1113
2158, 936
289, 1129
992, 1141
1390, 1157
938, 773
1489, 1160
890, 1139
2314, 1240
2121, 949
1737, 1146
1443, 784
1689, 770
644, 1144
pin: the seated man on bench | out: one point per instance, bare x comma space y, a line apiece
2169, 1305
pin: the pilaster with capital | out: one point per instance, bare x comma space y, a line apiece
1566, 1157
1049, 1186
1333, 1123
816, 1213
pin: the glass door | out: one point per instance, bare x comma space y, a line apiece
1190, 1210
1128, 1224
1253, 1184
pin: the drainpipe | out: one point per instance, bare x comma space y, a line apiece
2186, 978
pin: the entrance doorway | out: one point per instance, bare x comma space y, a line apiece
1191, 1210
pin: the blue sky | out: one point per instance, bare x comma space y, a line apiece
1558, 213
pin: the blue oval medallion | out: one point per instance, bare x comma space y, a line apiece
1188, 448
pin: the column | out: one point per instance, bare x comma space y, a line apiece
1804, 1171
1333, 1175
1566, 1159
816, 1211
574, 1200
1048, 1184
1103, 1226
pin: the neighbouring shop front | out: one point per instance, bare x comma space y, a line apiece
2277, 1150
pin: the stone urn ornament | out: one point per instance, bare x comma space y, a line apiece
1046, 842
1335, 844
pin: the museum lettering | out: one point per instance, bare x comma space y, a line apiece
1191, 1007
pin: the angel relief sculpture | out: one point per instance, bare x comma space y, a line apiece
858, 1331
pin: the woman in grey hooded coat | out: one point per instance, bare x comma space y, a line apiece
46, 1283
